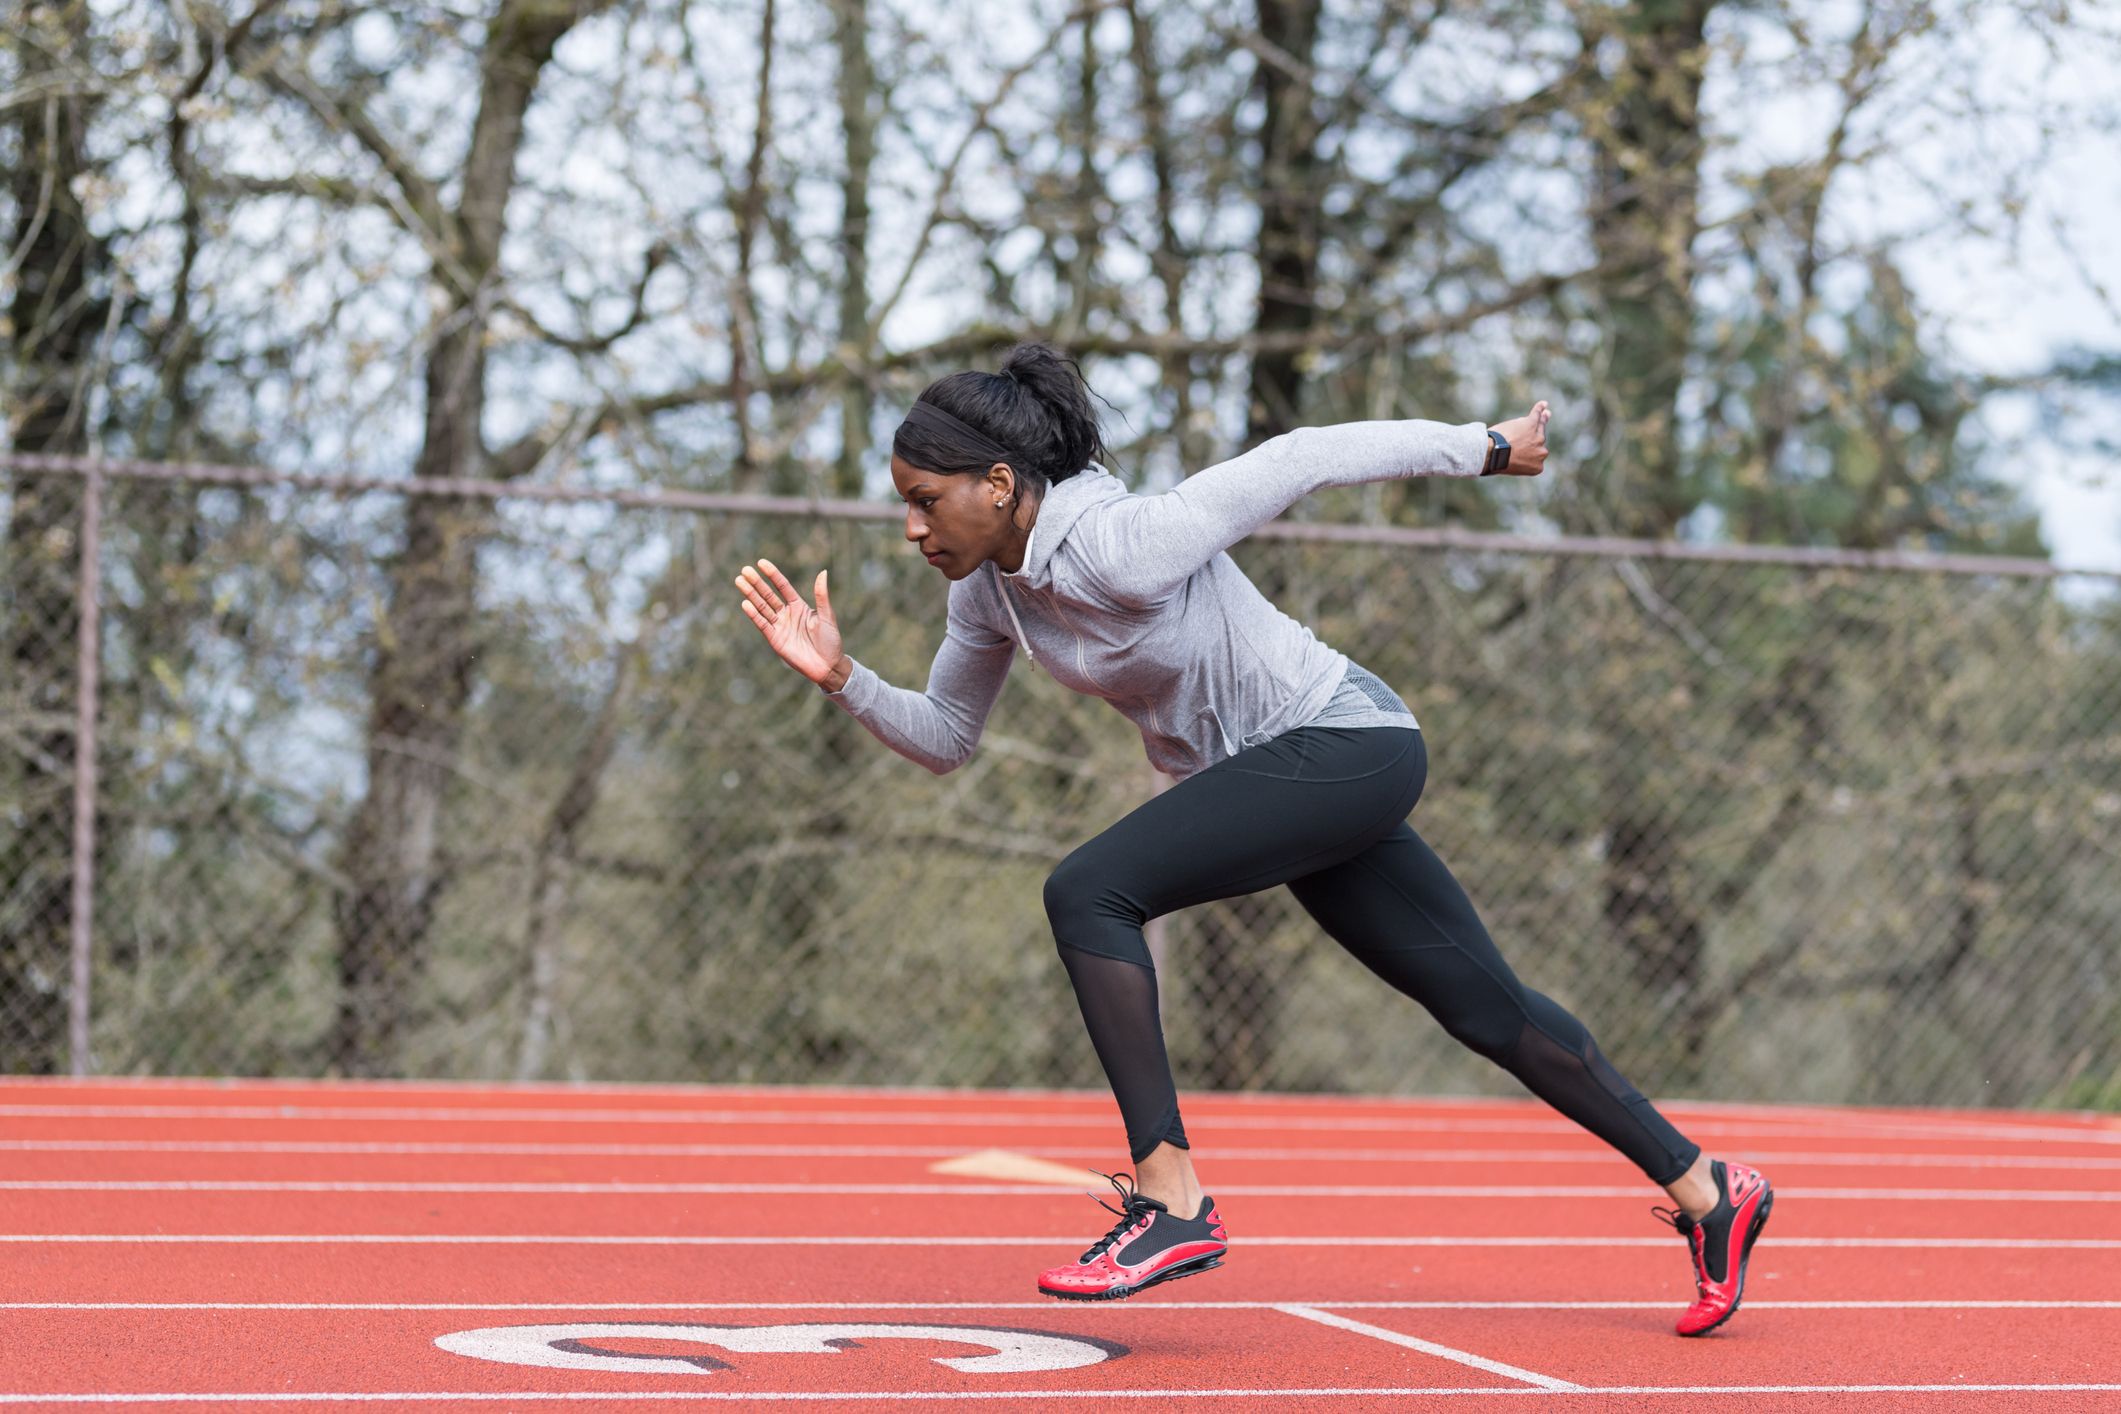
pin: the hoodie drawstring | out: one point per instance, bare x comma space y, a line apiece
1021, 636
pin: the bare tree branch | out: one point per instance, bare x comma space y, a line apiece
421, 199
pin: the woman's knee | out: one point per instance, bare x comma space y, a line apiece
1088, 913
1068, 889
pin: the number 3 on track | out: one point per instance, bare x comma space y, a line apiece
574, 1347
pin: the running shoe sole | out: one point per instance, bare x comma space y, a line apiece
1745, 1257
1191, 1267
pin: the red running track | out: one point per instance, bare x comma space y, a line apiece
265, 1245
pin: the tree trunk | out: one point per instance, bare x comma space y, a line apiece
858, 104
57, 311
1079, 275
422, 677
1644, 220
1235, 984
749, 475
1289, 193
1167, 257
552, 878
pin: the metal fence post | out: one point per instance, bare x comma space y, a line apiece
87, 675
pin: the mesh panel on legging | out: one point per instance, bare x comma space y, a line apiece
1558, 1061
1398, 910
1118, 1001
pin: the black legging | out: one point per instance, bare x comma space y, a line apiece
1323, 810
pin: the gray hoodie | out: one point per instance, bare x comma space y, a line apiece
1134, 599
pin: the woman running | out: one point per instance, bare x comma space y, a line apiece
1294, 766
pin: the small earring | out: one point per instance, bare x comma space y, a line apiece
997, 505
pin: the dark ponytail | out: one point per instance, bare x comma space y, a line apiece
1037, 409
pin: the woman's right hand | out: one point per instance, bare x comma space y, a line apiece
808, 640
1527, 437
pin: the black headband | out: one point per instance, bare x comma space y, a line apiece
934, 419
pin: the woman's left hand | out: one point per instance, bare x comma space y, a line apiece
1527, 437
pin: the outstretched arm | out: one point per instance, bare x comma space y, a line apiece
1144, 548
937, 728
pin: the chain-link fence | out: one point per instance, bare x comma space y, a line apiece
463, 786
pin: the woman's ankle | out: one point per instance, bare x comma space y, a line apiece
1167, 1176
1695, 1190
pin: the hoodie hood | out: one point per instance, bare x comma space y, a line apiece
1066, 502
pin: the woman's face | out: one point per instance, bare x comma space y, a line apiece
953, 519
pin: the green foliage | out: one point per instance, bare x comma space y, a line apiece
1843, 427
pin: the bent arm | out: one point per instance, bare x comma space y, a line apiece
1145, 547
940, 727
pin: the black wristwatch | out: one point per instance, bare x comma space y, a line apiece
1498, 453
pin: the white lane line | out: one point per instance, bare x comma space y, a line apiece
1427, 1347
1065, 1398
1598, 1155
1755, 1304
511, 1239
1204, 1118
990, 1190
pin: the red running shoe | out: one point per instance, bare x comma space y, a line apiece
1147, 1245
1722, 1242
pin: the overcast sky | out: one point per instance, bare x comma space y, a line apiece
2062, 293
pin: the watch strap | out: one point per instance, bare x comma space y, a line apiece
1498, 453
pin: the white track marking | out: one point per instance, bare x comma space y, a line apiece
1443, 1352
1205, 1118
1589, 1155
512, 1239
991, 1190
1065, 1398
1009, 1352
1116, 1306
